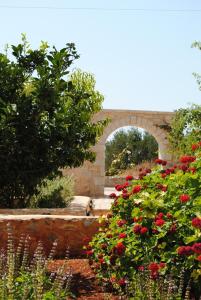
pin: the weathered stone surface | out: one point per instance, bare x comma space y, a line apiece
90, 178
112, 181
70, 231
79, 206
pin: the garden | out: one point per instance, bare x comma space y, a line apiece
148, 246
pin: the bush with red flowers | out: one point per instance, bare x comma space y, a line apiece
157, 227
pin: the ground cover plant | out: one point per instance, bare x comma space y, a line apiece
26, 277
150, 242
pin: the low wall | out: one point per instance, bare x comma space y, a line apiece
111, 181
69, 231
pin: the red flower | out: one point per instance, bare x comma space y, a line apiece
101, 261
194, 147
118, 187
143, 230
159, 215
136, 189
137, 229
140, 268
89, 252
113, 195
163, 175
129, 177
122, 282
184, 250
120, 223
164, 163
173, 228
153, 267
120, 248
196, 222
184, 198
104, 246
154, 231
199, 258
187, 159
197, 248
125, 195
162, 265
158, 161
184, 168
192, 169
122, 235
169, 215
159, 222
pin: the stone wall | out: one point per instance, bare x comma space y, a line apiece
70, 231
111, 181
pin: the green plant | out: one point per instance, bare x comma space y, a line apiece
23, 277
55, 193
154, 225
45, 118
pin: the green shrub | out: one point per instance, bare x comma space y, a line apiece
23, 277
55, 193
154, 225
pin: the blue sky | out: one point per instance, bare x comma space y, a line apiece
142, 60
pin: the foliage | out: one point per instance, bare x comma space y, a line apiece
154, 226
45, 117
23, 277
55, 193
185, 129
127, 149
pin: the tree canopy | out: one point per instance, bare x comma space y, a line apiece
127, 149
45, 117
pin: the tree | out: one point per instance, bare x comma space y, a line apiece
45, 118
128, 148
186, 125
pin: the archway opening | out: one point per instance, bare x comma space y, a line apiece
127, 150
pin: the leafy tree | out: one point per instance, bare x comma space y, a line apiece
45, 117
186, 125
128, 148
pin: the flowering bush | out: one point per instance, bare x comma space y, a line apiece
156, 228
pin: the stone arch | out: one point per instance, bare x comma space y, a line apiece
99, 165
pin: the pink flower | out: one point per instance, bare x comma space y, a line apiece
141, 268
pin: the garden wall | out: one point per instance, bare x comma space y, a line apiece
70, 231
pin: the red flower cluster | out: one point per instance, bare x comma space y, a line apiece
125, 195
161, 187
138, 219
129, 177
139, 229
184, 198
197, 248
196, 146
120, 248
196, 222
122, 235
160, 162
155, 267
186, 159
199, 258
89, 252
122, 282
136, 189
113, 196
140, 268
120, 223
184, 250
159, 220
